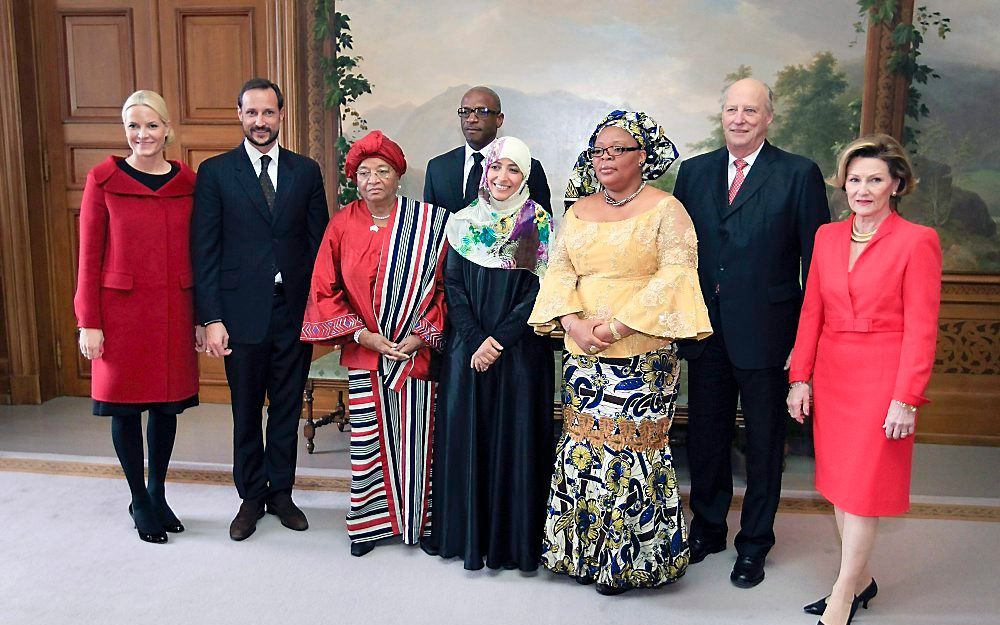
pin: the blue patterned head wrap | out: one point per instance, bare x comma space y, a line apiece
660, 151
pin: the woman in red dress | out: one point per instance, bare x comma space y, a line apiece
134, 305
377, 292
865, 348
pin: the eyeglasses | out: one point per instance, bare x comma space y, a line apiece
480, 111
612, 150
382, 172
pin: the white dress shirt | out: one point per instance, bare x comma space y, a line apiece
272, 171
746, 170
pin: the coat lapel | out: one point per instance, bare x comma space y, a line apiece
718, 181
287, 172
458, 169
759, 173
251, 185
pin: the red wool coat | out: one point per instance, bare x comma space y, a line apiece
134, 283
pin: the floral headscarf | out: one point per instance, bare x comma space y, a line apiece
503, 234
660, 151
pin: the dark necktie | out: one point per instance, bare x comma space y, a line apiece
475, 175
265, 182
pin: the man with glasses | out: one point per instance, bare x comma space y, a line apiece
452, 179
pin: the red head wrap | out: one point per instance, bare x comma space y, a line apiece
374, 144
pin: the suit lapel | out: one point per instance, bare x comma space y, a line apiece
287, 172
759, 173
718, 177
456, 187
247, 179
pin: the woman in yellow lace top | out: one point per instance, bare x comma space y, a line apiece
623, 283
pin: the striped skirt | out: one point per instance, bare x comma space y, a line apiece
614, 514
391, 436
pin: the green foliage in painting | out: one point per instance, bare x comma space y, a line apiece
344, 83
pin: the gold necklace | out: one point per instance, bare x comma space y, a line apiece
861, 237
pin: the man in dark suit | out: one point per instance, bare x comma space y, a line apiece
753, 241
259, 214
452, 178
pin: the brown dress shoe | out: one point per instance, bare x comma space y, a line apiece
246, 519
282, 506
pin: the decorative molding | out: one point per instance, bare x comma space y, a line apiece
15, 236
316, 89
968, 347
883, 104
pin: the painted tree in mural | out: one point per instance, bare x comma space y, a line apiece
344, 84
717, 140
814, 114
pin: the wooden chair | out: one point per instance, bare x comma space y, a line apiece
325, 372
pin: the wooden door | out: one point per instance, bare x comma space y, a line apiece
92, 55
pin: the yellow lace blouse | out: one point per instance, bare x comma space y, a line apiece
642, 271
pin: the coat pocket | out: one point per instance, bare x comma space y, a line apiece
229, 279
783, 292
117, 281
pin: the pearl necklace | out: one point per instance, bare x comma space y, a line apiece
861, 237
374, 226
623, 201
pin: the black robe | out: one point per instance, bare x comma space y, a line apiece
493, 445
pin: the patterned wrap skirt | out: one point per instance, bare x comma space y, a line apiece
614, 511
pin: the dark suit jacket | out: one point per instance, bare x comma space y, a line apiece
443, 182
237, 247
749, 252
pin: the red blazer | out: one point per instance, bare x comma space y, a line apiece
896, 296
134, 282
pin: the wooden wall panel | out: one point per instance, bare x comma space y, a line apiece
965, 386
80, 159
215, 53
102, 40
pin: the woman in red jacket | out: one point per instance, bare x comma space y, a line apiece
134, 305
865, 348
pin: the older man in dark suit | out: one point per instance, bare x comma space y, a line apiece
452, 178
756, 210
259, 215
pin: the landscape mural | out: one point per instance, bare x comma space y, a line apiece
560, 65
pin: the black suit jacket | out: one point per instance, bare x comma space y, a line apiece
237, 246
749, 252
443, 184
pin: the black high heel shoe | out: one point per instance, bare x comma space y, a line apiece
157, 538
850, 617
167, 518
866, 595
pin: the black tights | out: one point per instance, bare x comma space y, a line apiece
149, 504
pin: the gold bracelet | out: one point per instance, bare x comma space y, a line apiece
794, 384
905, 406
614, 330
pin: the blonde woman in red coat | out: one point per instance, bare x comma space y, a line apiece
865, 346
134, 303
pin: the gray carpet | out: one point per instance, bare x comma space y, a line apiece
69, 555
